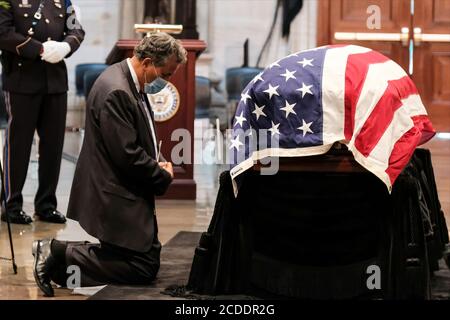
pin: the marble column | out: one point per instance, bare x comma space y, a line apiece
131, 12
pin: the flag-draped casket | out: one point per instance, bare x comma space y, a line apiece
304, 103
315, 233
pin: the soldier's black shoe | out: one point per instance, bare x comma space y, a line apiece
43, 263
18, 217
51, 215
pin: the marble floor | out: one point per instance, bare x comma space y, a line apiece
173, 216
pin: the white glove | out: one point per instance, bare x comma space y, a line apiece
55, 51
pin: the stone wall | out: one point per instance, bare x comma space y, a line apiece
223, 24
101, 21
226, 24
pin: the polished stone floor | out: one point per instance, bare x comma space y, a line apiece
173, 216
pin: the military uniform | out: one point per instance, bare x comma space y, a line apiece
35, 94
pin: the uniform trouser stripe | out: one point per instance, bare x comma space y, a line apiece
6, 156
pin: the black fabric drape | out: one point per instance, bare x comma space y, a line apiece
290, 10
312, 235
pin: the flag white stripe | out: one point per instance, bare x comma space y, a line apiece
401, 123
333, 95
414, 105
378, 160
373, 90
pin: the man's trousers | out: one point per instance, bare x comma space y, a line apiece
103, 263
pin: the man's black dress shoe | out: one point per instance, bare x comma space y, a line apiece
43, 263
18, 217
51, 215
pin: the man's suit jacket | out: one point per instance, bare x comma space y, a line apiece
117, 176
23, 69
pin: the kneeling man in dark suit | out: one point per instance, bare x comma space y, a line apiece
117, 176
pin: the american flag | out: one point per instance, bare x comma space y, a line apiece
309, 100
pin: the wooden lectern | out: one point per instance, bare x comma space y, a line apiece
183, 186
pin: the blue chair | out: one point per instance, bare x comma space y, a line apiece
90, 77
80, 70
237, 79
202, 97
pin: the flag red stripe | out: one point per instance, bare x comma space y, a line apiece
405, 146
383, 113
425, 126
355, 76
402, 153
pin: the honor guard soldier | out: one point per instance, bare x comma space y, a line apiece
35, 37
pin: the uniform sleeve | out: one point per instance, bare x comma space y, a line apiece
120, 139
12, 41
74, 30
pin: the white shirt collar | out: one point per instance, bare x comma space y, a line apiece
134, 75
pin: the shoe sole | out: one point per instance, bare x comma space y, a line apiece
13, 222
34, 250
36, 217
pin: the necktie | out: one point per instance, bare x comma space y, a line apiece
151, 116
144, 99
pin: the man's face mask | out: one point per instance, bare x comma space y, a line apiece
156, 85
